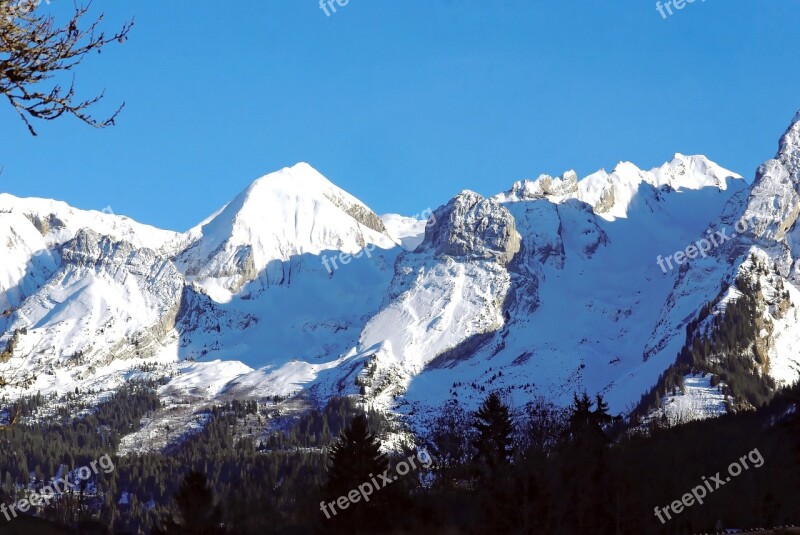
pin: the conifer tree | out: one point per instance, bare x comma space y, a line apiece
494, 442
355, 460
493, 446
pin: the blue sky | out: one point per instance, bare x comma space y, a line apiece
406, 103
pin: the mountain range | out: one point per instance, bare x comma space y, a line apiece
295, 291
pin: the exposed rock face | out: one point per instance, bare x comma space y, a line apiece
773, 206
606, 201
238, 270
789, 151
473, 227
770, 209
88, 249
120, 278
44, 223
360, 213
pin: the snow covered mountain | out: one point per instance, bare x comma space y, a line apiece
278, 218
297, 289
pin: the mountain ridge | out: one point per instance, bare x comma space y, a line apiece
546, 289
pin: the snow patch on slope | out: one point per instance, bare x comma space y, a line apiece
699, 401
409, 232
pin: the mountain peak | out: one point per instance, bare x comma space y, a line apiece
300, 174
693, 172
285, 214
626, 168
545, 186
302, 181
610, 194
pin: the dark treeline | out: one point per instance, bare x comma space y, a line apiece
579, 471
264, 483
534, 469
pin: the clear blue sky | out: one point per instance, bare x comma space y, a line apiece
405, 103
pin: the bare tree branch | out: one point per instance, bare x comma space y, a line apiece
35, 51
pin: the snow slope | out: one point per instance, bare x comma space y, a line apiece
409, 232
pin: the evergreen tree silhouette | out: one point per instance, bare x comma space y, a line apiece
355, 460
493, 447
586, 470
586, 425
495, 433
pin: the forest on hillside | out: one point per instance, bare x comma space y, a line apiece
533, 469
